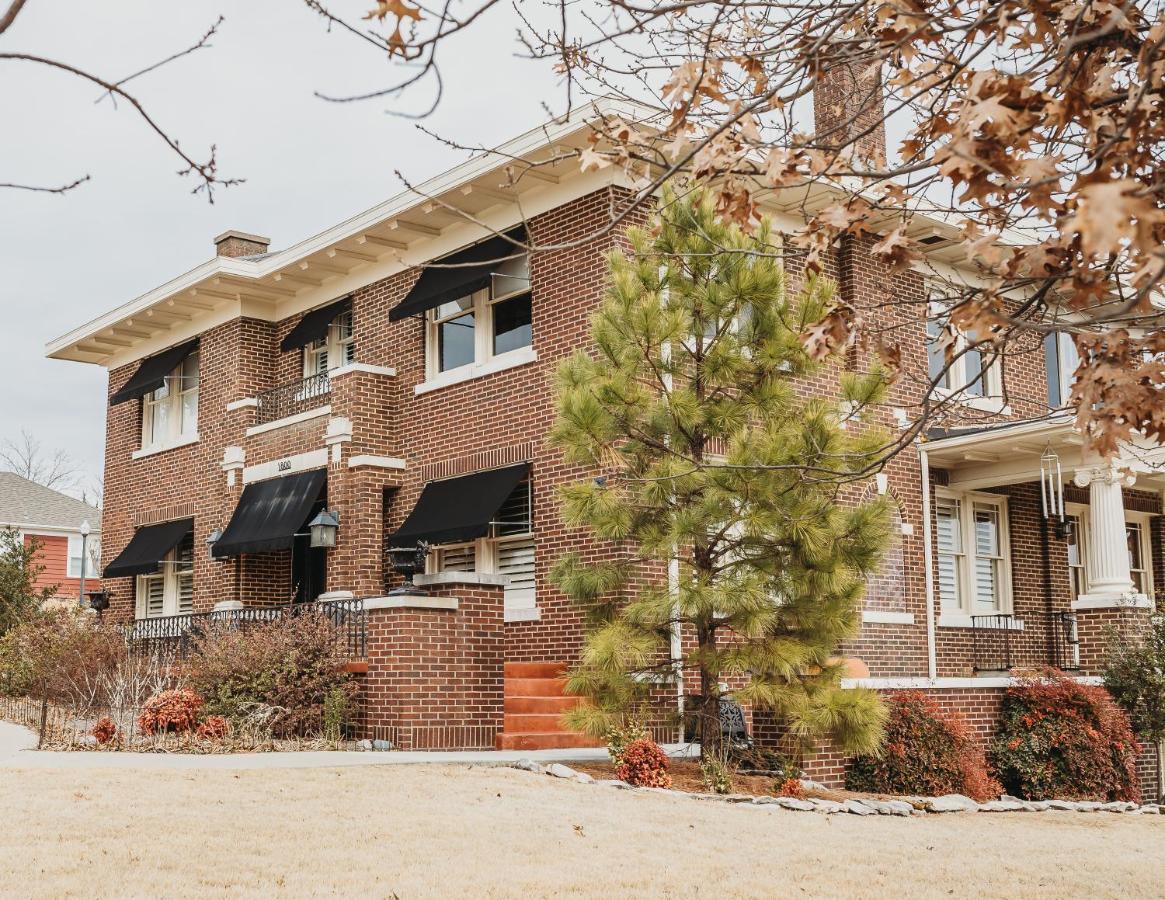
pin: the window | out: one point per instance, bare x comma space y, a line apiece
1060, 362
1135, 537
488, 323
1137, 540
170, 590
1077, 574
971, 373
77, 557
507, 550
336, 350
972, 554
170, 414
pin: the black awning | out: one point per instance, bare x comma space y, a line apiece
147, 547
438, 285
458, 509
270, 513
314, 325
151, 374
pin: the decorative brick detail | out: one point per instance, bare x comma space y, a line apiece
478, 462
164, 514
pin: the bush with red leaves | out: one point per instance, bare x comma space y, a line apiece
791, 787
1059, 739
926, 751
174, 710
105, 730
213, 728
644, 764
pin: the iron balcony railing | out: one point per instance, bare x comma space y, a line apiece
179, 633
292, 398
998, 645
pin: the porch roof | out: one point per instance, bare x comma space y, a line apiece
1009, 453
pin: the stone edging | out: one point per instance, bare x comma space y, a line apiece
907, 806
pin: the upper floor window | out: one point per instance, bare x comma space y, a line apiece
1060, 361
331, 352
170, 413
972, 553
170, 590
487, 323
971, 372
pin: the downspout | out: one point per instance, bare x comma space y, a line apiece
677, 650
928, 564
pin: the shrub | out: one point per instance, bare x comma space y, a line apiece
174, 710
619, 738
213, 728
289, 667
926, 751
644, 764
1062, 739
790, 787
105, 730
717, 777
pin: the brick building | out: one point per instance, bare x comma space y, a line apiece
67, 530
341, 375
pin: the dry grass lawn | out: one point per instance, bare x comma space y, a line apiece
413, 831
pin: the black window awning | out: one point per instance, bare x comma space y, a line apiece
474, 267
314, 325
147, 547
458, 509
151, 374
270, 513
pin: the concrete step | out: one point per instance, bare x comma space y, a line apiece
534, 669
532, 723
534, 687
558, 740
540, 705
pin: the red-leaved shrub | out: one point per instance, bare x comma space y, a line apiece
213, 728
1059, 739
791, 787
105, 730
926, 751
174, 710
644, 764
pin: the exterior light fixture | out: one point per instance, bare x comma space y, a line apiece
408, 561
323, 528
85, 529
213, 537
1052, 491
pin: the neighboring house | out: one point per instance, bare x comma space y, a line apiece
260, 388
56, 521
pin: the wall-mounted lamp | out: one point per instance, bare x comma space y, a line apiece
323, 528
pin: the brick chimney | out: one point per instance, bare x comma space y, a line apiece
848, 100
239, 243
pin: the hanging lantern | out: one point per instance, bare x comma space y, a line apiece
323, 528
1052, 491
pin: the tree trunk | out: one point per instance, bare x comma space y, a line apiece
1161, 771
709, 731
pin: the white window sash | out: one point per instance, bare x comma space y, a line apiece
1142, 520
177, 426
988, 382
167, 592
970, 567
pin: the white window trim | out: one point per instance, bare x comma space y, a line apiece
961, 617
150, 443
485, 361
1144, 520
75, 543
513, 359
1067, 377
484, 570
991, 400
168, 572
336, 346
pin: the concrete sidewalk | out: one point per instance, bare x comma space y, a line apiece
17, 752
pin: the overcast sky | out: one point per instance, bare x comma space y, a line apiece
307, 163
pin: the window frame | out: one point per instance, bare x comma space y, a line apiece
958, 381
174, 402
1141, 520
966, 605
1065, 361
82, 546
338, 349
171, 573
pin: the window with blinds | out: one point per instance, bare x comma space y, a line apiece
337, 349
988, 559
155, 595
515, 560
514, 517
169, 591
950, 550
459, 558
971, 553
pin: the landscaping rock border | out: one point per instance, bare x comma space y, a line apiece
907, 806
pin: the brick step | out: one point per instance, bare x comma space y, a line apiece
534, 669
534, 687
540, 705
557, 740
532, 723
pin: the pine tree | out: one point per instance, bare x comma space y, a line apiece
19, 570
735, 493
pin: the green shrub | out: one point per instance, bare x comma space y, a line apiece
716, 775
619, 738
289, 668
1065, 740
926, 752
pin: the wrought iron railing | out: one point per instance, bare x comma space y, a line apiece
292, 398
1000, 644
179, 633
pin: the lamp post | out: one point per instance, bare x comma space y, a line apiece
84, 557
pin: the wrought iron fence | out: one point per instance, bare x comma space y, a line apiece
991, 642
292, 398
1065, 642
999, 643
178, 633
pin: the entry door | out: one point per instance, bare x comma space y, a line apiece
309, 565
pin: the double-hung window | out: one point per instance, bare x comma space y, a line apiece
487, 324
77, 557
170, 414
170, 590
1137, 541
1060, 361
336, 350
971, 374
508, 550
972, 557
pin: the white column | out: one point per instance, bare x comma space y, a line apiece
1109, 579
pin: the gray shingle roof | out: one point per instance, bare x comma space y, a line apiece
24, 502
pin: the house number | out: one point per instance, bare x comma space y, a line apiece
283, 465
